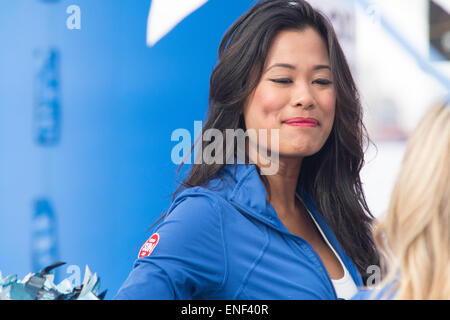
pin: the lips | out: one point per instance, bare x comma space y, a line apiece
302, 122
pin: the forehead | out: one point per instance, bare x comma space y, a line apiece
298, 47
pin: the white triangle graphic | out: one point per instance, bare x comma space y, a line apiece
166, 14
444, 4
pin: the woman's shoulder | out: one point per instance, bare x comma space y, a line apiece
196, 204
193, 217
203, 194
213, 193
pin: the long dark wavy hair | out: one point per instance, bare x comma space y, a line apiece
331, 176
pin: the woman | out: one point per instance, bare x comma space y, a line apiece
233, 232
415, 235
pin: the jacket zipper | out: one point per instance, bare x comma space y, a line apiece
310, 247
324, 270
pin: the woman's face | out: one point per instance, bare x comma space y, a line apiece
295, 94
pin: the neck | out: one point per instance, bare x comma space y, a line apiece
282, 185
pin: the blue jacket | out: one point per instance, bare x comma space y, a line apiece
225, 241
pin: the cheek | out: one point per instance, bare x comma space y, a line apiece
264, 105
327, 102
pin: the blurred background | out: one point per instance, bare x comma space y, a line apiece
91, 91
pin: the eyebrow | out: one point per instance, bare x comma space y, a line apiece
290, 66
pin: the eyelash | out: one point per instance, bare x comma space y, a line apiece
282, 80
322, 82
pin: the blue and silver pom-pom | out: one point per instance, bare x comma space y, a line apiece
40, 286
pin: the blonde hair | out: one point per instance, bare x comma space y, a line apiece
414, 237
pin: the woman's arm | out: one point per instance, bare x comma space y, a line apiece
189, 259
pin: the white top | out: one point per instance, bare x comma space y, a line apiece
345, 287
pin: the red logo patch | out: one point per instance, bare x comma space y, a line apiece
149, 245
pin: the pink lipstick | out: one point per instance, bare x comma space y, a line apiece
302, 122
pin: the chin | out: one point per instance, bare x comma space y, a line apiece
299, 154
299, 151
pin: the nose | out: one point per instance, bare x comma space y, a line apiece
302, 97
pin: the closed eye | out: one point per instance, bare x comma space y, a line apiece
323, 82
282, 80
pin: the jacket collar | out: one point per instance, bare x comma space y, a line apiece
249, 192
246, 191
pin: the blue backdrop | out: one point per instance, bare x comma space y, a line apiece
86, 118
